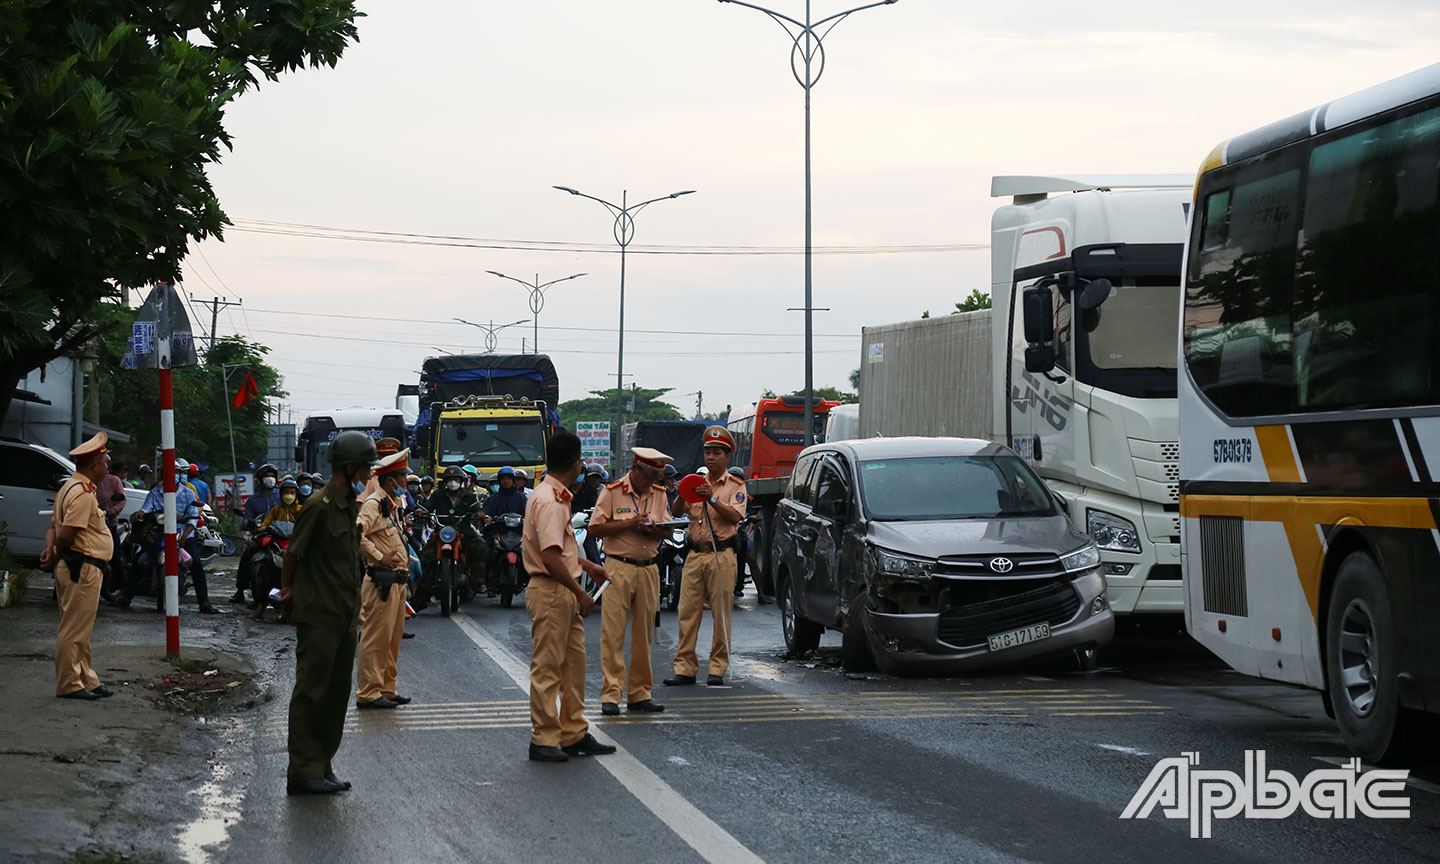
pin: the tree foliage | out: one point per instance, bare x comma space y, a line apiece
130, 398
109, 113
977, 300
607, 405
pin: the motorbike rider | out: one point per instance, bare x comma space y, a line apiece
202, 488
509, 499
585, 499
305, 486
187, 515
412, 492
288, 508
454, 499
671, 481
265, 497
522, 482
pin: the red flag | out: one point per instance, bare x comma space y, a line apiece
249, 390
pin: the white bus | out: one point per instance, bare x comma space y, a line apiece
1310, 408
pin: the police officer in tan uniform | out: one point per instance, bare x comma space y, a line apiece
557, 604
382, 594
79, 546
709, 573
625, 515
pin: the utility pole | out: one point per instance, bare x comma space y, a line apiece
699, 403
215, 304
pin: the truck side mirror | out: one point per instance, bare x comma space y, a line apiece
1093, 294
300, 455
1040, 358
1039, 313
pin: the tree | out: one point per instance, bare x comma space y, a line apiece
109, 113
977, 300
855, 380
130, 399
605, 405
831, 394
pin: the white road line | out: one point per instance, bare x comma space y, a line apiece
1121, 748
699, 831
1424, 785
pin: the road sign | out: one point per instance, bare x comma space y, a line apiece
594, 442
162, 314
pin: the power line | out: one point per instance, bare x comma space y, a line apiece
344, 338
550, 326
325, 232
211, 267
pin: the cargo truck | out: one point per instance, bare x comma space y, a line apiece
678, 439
1073, 367
486, 410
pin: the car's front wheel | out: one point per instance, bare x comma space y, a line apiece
801, 635
855, 653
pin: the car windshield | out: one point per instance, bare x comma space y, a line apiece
952, 487
491, 444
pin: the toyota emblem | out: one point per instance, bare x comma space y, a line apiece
1002, 565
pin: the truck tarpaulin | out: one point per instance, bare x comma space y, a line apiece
453, 376
679, 439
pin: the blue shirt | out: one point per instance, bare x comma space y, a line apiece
203, 488
503, 502
260, 503
187, 506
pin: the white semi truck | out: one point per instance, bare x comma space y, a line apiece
1073, 366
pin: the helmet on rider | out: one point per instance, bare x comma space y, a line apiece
265, 476
194, 469
181, 466
288, 483
670, 472
267, 468
736, 472
454, 478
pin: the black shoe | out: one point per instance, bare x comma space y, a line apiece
237, 597
400, 700
103, 692
547, 754
680, 681
330, 776
408, 635
648, 706
381, 702
764, 600
207, 609
82, 693
123, 601
318, 786
715, 681
610, 709
588, 746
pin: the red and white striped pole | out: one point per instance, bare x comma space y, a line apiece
172, 550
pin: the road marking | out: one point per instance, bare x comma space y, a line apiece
1121, 748
1424, 785
699, 831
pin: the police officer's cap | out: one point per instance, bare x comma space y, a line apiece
352, 448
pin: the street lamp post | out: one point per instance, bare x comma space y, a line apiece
537, 296
490, 340
807, 56
624, 231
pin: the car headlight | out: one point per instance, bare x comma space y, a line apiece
1111, 532
1084, 558
903, 566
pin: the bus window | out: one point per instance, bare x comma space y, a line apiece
1237, 310
1366, 284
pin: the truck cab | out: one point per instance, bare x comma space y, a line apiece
489, 432
1086, 293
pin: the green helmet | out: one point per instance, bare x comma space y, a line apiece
353, 448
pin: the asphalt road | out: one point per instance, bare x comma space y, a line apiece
794, 761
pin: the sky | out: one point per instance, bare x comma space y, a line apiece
456, 118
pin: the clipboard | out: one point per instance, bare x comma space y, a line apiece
672, 523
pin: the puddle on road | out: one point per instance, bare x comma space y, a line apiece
219, 809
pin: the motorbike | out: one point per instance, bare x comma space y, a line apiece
207, 531
142, 550
512, 577
267, 561
673, 551
580, 524
449, 583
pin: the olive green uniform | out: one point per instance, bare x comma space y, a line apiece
325, 604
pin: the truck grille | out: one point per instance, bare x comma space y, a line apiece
971, 624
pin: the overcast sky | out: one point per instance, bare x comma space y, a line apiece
456, 118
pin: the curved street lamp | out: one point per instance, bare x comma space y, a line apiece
490, 340
807, 64
624, 231
537, 297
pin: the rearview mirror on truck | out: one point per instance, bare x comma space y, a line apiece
1039, 313
1040, 358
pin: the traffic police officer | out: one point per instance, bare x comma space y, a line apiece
382, 595
710, 568
79, 547
625, 517
556, 604
321, 577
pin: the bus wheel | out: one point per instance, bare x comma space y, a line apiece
1360, 654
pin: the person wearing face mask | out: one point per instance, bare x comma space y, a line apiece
305, 487
411, 494
321, 580
382, 608
289, 506
454, 498
261, 501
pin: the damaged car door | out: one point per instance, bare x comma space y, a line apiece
826, 522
